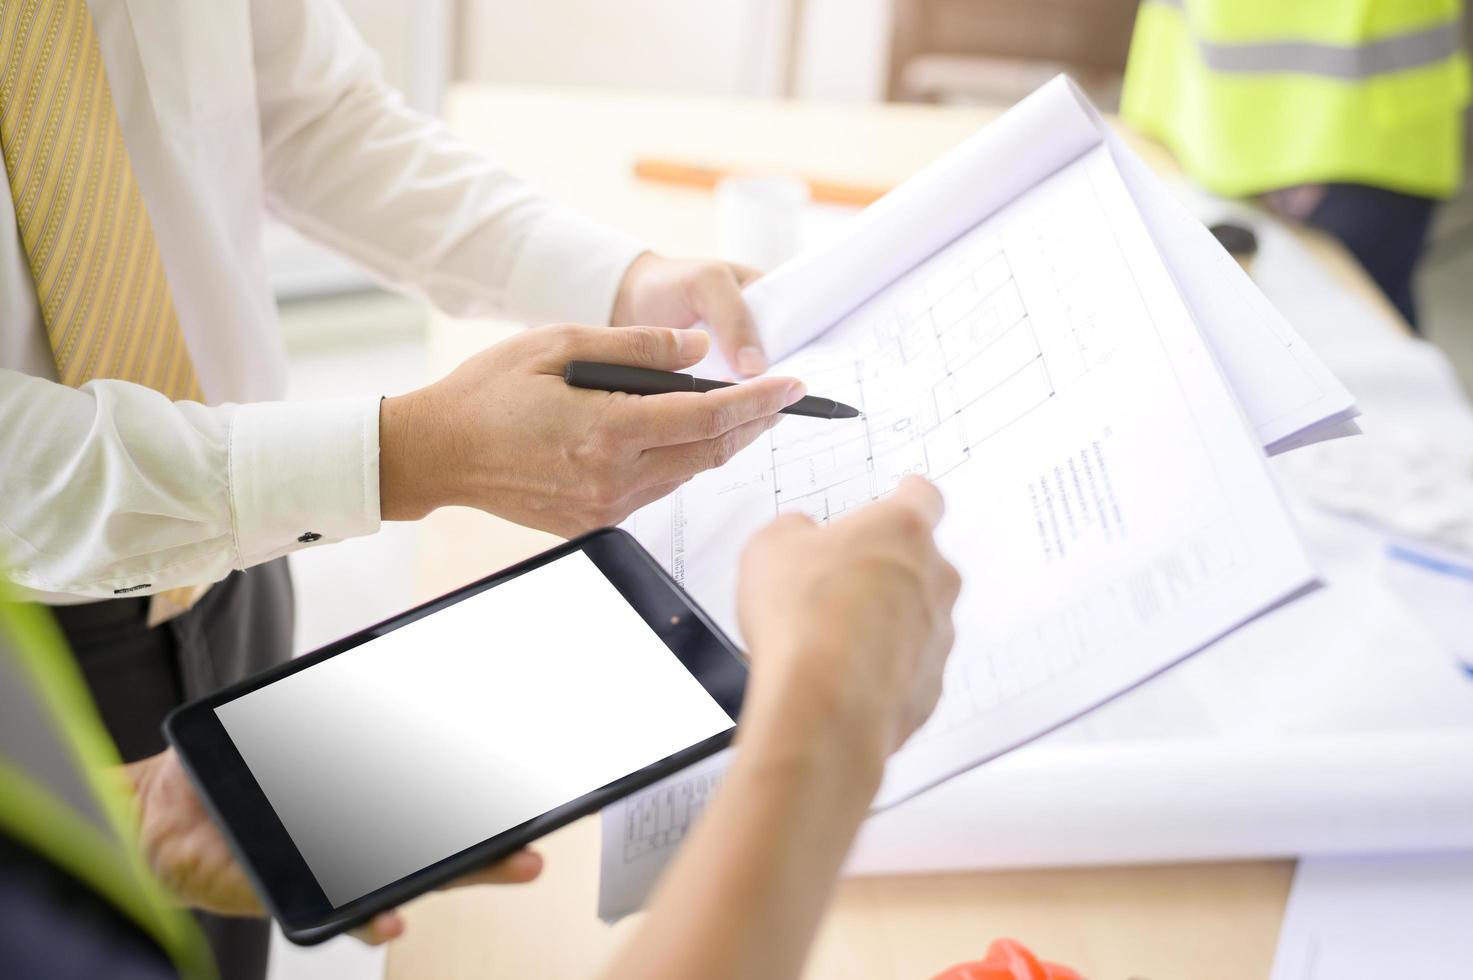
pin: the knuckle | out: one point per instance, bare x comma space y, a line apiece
563, 337
602, 492
791, 521
644, 345
770, 541
912, 526
712, 276
724, 447
611, 514
780, 527
716, 421
594, 449
606, 445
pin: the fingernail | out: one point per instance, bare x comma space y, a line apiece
796, 390
751, 360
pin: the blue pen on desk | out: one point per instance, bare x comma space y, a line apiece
1442, 593
1440, 565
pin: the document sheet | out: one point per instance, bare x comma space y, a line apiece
1338, 724
1108, 501
1288, 394
1335, 725
1107, 506
1368, 918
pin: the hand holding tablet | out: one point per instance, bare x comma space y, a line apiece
189, 854
448, 737
406, 756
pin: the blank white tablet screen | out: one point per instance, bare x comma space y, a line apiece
420, 743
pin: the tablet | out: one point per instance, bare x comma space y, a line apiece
361, 775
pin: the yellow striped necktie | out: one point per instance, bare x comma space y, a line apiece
99, 278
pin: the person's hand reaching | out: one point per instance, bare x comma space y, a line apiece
849, 627
679, 293
850, 624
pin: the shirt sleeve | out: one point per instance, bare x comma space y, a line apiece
347, 163
111, 489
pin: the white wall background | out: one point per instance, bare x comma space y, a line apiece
710, 47
707, 47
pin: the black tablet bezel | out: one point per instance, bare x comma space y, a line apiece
287, 886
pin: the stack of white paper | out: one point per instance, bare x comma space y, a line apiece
1373, 918
1008, 326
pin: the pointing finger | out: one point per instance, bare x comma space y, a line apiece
689, 416
922, 496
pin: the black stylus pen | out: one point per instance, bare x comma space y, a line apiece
646, 381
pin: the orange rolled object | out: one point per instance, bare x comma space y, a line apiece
706, 178
1008, 959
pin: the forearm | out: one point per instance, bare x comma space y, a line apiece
112, 489
345, 160
747, 892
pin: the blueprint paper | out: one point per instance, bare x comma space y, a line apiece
641, 833
1337, 724
1283, 387
1369, 918
1109, 505
1108, 508
1346, 693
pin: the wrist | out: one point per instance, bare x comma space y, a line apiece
406, 466
814, 764
806, 726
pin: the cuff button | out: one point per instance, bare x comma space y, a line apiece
309, 537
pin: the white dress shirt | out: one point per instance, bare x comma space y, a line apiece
230, 108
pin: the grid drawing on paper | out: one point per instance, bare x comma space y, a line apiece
964, 350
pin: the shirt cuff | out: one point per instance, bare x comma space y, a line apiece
302, 473
569, 270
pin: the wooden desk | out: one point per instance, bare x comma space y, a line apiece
1195, 922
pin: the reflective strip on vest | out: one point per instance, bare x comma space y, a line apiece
1254, 95
1400, 52
58, 798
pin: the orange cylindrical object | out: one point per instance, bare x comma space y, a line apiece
694, 175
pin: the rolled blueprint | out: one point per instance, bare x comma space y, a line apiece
1185, 800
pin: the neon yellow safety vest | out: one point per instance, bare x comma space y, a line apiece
1256, 95
57, 795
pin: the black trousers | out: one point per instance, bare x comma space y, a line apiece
1385, 230
137, 675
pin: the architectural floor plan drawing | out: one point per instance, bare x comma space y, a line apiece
1106, 501
1032, 324
965, 363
